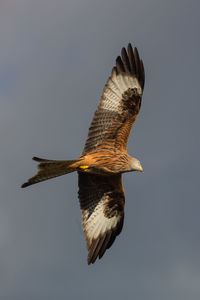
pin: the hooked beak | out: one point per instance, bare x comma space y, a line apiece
141, 169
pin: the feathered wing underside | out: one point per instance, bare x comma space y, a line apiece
120, 103
102, 204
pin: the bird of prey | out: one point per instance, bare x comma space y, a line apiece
104, 157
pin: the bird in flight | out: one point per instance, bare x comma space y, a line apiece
104, 157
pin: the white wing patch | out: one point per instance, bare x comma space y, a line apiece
97, 224
114, 89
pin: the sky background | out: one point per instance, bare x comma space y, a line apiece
55, 57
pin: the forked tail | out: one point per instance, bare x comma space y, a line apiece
48, 169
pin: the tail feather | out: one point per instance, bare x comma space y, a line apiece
48, 169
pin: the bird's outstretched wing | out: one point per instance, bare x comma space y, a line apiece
102, 204
119, 104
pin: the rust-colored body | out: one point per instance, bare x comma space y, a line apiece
104, 157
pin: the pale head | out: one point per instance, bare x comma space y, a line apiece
135, 165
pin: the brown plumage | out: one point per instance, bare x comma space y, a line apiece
104, 157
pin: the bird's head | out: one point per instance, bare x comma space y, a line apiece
135, 165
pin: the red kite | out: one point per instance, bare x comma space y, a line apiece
104, 157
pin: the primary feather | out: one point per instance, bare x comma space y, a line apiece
104, 157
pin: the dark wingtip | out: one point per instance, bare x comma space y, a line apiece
91, 260
129, 45
130, 63
123, 52
119, 65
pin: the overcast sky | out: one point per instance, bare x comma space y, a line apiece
55, 57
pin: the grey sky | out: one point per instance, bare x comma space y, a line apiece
54, 61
